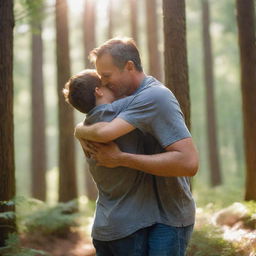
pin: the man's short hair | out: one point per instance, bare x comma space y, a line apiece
122, 50
80, 88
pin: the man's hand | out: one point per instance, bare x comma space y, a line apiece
107, 155
84, 144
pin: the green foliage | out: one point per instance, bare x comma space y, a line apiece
251, 206
35, 216
217, 197
14, 248
56, 220
208, 242
250, 221
7, 215
30, 11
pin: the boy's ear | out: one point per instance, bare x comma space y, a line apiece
98, 92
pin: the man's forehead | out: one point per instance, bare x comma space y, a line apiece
104, 65
105, 59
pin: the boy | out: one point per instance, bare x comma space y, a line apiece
127, 204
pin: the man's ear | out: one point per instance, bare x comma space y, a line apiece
130, 65
98, 92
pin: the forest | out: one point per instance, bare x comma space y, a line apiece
204, 51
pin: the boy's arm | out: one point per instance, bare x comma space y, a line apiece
103, 131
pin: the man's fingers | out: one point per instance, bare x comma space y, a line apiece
92, 146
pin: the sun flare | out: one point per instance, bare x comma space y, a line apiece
76, 6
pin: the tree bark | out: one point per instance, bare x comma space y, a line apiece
176, 66
246, 36
110, 20
215, 173
38, 138
89, 30
89, 44
7, 169
154, 58
134, 20
67, 169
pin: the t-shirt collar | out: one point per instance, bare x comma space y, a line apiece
144, 83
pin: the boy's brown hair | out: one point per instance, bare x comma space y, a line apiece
80, 88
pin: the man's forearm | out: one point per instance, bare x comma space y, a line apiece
166, 164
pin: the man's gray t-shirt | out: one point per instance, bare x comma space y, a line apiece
155, 111
127, 200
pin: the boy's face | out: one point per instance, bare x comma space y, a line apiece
107, 94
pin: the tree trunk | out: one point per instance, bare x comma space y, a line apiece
154, 59
67, 171
215, 172
176, 66
89, 44
246, 35
38, 154
7, 172
134, 20
110, 19
89, 30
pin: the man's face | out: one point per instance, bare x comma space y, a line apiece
117, 80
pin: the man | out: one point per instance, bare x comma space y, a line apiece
171, 156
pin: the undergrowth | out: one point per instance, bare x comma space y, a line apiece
36, 217
208, 241
13, 248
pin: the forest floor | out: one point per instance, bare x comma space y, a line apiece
74, 244
79, 243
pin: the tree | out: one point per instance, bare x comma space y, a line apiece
246, 36
38, 138
67, 169
134, 19
89, 44
7, 172
110, 19
89, 30
152, 40
213, 157
175, 53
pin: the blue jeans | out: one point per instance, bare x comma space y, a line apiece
132, 245
166, 240
156, 240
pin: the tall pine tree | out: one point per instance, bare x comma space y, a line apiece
67, 167
247, 38
175, 53
215, 173
7, 172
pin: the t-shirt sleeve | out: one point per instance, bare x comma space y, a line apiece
157, 112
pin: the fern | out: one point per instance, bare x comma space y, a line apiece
14, 248
7, 215
55, 220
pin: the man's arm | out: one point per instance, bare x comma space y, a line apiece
180, 159
103, 131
